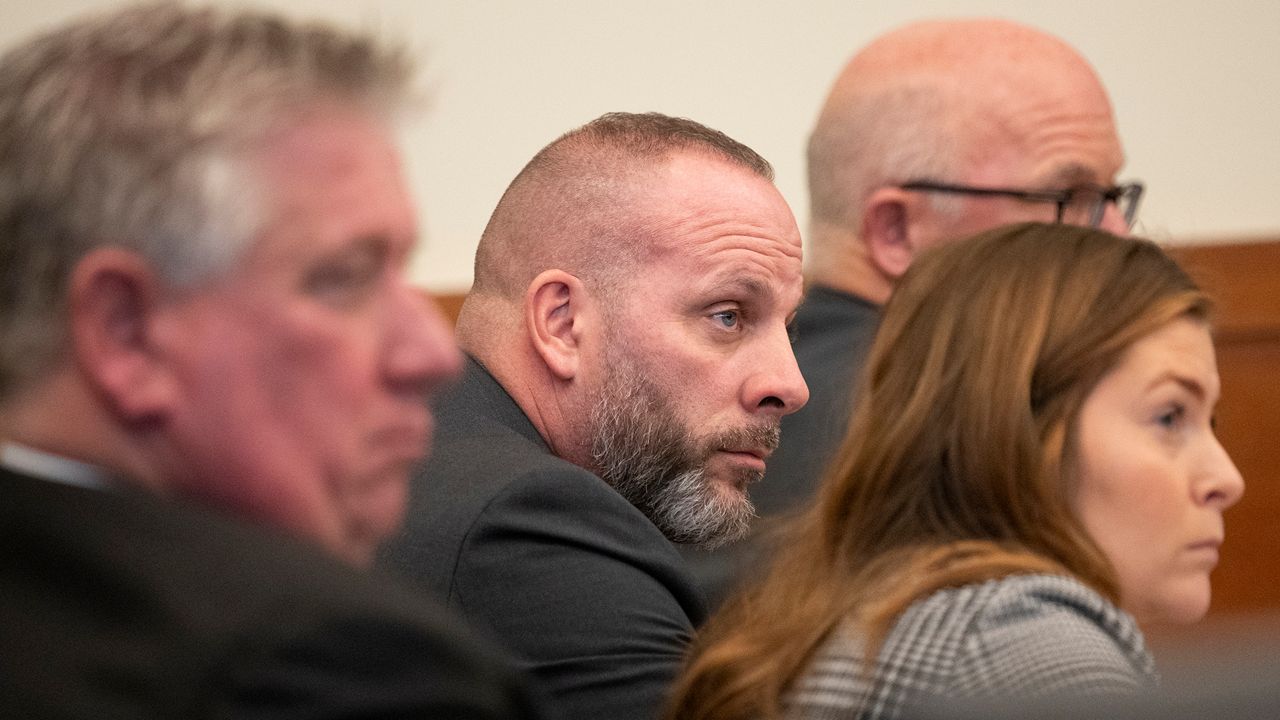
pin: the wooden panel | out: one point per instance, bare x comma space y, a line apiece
1244, 279
1249, 575
450, 304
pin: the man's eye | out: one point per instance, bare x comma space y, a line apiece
1171, 419
1085, 198
336, 277
727, 319
343, 280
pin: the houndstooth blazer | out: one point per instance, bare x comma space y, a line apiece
1023, 635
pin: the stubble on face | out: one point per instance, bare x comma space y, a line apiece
643, 450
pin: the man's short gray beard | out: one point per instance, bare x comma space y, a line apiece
640, 447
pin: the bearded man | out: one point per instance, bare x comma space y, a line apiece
628, 367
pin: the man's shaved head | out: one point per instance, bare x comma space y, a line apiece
579, 205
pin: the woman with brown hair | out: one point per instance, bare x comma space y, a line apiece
1031, 467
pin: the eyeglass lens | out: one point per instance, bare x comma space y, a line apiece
1088, 206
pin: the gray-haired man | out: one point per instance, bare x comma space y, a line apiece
211, 365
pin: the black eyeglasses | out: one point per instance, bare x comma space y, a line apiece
1080, 205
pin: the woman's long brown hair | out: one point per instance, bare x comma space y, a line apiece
957, 462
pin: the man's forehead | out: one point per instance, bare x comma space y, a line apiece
328, 139
783, 287
1046, 139
333, 181
740, 260
699, 194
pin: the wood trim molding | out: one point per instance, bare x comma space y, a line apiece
1244, 281
449, 303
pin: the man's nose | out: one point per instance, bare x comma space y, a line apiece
423, 351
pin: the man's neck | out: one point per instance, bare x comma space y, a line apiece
62, 419
841, 262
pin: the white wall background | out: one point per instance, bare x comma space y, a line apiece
1196, 87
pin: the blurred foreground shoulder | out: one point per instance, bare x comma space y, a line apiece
146, 607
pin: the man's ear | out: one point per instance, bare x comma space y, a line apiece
112, 303
886, 230
553, 307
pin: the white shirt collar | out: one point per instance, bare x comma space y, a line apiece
51, 467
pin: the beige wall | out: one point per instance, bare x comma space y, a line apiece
1196, 89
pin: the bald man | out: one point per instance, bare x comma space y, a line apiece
629, 364
934, 131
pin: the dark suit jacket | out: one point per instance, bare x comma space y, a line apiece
118, 604
833, 332
547, 557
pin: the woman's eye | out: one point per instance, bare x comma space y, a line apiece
726, 318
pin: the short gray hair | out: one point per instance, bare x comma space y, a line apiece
127, 129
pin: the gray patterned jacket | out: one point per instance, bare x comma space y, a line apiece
1023, 635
